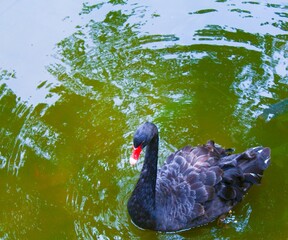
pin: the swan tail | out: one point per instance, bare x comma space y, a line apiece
253, 162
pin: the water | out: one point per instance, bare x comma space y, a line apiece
76, 79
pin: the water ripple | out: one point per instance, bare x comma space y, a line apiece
24, 132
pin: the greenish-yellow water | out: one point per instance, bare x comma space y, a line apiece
76, 79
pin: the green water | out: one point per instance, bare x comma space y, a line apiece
77, 78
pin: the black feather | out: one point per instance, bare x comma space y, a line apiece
210, 178
227, 193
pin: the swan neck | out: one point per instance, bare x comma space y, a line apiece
149, 170
143, 196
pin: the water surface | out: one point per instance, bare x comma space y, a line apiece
76, 79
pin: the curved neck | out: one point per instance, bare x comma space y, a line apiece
149, 169
143, 196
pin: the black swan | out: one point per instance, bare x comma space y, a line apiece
194, 186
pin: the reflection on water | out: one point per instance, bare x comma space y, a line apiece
215, 69
240, 223
23, 130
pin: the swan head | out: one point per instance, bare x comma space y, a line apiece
143, 136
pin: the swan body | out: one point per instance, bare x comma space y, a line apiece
194, 186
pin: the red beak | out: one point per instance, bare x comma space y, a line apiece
135, 155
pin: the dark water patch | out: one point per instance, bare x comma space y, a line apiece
240, 10
282, 14
251, 2
203, 11
275, 5
276, 110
